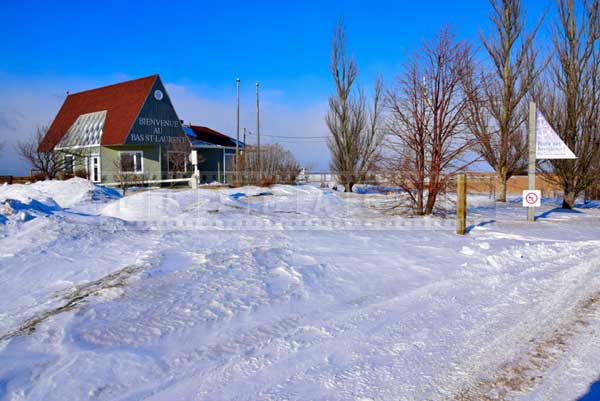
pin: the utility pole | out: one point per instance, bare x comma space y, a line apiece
258, 133
244, 158
532, 157
237, 142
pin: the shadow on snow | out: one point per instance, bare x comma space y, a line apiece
593, 393
548, 213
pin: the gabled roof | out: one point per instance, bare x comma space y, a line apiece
122, 102
212, 137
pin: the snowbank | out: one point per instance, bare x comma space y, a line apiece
157, 311
163, 205
25, 201
16, 210
62, 193
168, 205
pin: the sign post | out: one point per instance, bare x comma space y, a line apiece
532, 157
544, 143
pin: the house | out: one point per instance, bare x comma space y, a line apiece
130, 127
216, 151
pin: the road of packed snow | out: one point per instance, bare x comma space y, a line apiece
291, 293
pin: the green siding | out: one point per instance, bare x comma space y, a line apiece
151, 161
210, 167
79, 156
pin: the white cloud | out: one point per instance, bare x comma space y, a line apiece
21, 111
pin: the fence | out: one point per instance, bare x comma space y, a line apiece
482, 183
11, 179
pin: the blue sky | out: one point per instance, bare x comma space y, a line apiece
199, 48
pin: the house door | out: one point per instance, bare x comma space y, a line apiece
94, 168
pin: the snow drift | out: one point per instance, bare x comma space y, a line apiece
23, 202
149, 297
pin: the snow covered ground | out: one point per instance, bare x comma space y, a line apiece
291, 293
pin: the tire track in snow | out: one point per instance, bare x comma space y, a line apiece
526, 372
76, 297
232, 352
523, 373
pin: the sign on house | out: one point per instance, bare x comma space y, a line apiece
157, 122
157, 131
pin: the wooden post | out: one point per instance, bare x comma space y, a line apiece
461, 204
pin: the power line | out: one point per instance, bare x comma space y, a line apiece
277, 140
289, 137
296, 141
296, 137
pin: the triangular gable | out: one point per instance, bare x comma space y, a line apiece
157, 122
122, 101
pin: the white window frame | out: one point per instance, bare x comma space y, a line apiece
72, 163
185, 164
89, 166
134, 153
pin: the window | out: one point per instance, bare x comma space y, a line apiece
69, 163
131, 162
93, 165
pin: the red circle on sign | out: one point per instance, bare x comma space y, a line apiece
531, 198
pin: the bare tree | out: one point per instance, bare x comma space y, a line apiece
496, 109
427, 139
51, 163
278, 165
355, 129
569, 97
178, 160
125, 177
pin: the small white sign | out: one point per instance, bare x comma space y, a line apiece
194, 157
548, 144
532, 198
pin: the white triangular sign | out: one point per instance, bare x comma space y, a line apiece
548, 143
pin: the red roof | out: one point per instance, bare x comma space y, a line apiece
206, 130
123, 102
212, 136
